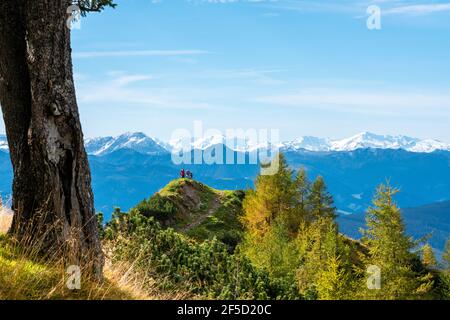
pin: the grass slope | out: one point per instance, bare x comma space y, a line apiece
197, 210
24, 276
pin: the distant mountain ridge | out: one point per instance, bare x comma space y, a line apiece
130, 168
141, 143
366, 140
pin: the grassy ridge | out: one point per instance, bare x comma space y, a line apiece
197, 210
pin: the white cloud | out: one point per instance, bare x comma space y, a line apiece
420, 9
401, 103
131, 89
137, 53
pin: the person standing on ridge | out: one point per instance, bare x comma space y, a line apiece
182, 174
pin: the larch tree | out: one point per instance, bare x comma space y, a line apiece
390, 249
269, 220
428, 257
274, 197
52, 196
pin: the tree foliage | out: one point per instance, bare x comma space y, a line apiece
391, 250
93, 5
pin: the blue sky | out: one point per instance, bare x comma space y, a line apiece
304, 67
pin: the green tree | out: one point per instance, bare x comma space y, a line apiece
325, 268
445, 274
274, 197
271, 221
446, 257
428, 257
320, 202
303, 186
390, 249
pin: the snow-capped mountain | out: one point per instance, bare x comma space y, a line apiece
366, 140
369, 140
307, 143
137, 141
235, 143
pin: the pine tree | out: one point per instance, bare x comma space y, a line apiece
320, 202
390, 249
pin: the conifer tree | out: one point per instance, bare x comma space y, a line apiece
390, 249
269, 220
445, 274
325, 271
320, 202
428, 258
274, 196
303, 188
446, 258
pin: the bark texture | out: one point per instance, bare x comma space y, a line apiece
52, 196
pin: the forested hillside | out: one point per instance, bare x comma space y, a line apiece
290, 246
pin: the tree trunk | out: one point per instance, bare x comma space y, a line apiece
52, 196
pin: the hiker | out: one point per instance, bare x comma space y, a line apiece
189, 175
182, 174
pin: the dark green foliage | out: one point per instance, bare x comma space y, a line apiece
158, 207
320, 202
206, 268
93, 5
198, 211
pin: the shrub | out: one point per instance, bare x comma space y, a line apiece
206, 268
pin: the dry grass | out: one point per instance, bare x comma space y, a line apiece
28, 278
139, 284
6, 217
24, 276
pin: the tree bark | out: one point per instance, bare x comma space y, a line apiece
52, 196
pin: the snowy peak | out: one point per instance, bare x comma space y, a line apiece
137, 141
366, 140
241, 144
141, 143
308, 143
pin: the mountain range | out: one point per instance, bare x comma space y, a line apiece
141, 143
131, 167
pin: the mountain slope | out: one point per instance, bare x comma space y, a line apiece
197, 210
433, 219
135, 141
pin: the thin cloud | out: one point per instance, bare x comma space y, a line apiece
137, 53
122, 89
420, 9
363, 102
